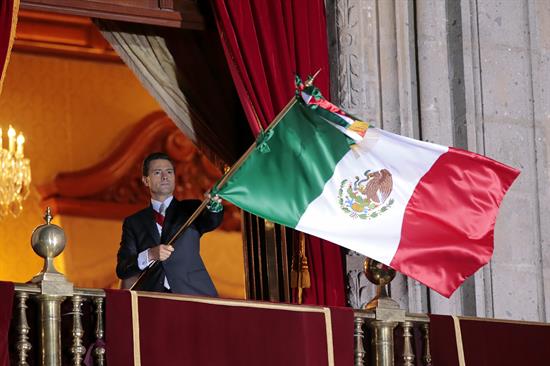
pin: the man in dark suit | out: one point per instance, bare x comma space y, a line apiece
143, 234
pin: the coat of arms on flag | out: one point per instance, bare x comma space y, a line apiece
368, 196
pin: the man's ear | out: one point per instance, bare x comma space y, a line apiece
145, 181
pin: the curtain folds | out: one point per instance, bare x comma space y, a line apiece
185, 72
326, 273
147, 55
8, 23
266, 43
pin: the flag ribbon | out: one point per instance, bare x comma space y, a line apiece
354, 128
262, 139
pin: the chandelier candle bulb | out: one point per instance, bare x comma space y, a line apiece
15, 176
11, 139
20, 142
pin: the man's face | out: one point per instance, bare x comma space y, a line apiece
161, 179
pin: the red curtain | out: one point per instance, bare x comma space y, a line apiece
6, 303
266, 43
8, 19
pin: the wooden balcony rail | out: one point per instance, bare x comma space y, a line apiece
54, 323
374, 338
68, 335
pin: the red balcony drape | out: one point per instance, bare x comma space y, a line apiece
164, 329
8, 21
266, 43
6, 303
487, 342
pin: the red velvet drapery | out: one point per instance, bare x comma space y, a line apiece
266, 43
188, 330
6, 303
8, 19
488, 342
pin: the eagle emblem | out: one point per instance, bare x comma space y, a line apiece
367, 197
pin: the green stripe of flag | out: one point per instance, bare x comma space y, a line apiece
279, 185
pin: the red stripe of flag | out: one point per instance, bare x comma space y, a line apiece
448, 225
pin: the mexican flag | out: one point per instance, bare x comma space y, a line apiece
425, 210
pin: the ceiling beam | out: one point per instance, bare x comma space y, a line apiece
61, 35
167, 13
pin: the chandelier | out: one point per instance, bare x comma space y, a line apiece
15, 174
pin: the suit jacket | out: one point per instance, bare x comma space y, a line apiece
184, 269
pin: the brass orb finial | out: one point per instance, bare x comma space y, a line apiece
48, 240
378, 273
381, 275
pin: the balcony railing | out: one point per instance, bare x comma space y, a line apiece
375, 340
70, 321
67, 334
34, 306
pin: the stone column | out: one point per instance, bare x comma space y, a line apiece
512, 42
539, 30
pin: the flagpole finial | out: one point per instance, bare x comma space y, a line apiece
309, 81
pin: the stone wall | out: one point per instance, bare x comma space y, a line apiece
473, 74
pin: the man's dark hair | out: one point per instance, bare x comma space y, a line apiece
154, 156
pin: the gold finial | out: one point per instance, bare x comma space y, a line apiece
48, 216
310, 80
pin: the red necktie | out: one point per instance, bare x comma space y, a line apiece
159, 216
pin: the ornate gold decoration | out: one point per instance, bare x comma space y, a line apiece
15, 174
299, 275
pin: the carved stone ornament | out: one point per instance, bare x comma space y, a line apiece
112, 188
